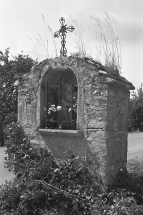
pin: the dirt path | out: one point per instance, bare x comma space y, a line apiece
135, 145
4, 173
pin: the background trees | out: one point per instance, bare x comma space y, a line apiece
11, 69
136, 110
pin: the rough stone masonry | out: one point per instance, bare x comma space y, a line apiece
102, 112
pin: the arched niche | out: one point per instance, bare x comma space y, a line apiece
58, 99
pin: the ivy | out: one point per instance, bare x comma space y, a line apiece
44, 185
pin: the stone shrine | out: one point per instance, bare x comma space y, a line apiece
73, 106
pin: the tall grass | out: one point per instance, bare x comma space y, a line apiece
55, 46
107, 43
35, 47
45, 34
110, 48
79, 40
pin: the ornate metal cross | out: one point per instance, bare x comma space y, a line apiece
62, 33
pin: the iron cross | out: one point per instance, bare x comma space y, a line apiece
62, 33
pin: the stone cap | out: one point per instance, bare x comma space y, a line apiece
73, 133
112, 77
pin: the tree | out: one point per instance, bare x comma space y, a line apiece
136, 110
10, 71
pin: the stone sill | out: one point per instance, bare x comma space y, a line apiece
58, 132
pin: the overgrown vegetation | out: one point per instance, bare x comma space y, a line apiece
109, 50
44, 185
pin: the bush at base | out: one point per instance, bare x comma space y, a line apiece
43, 184
46, 186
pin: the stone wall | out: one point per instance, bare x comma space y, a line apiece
69, 142
102, 111
117, 127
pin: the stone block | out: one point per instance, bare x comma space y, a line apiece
96, 134
96, 123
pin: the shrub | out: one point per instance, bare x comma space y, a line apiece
44, 185
130, 185
123, 197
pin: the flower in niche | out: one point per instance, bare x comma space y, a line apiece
52, 109
53, 112
59, 108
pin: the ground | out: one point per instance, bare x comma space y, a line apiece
4, 173
135, 149
135, 145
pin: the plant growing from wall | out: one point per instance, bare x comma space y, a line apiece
79, 40
109, 48
107, 43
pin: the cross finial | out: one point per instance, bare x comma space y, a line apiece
62, 33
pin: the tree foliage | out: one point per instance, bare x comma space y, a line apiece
136, 110
11, 70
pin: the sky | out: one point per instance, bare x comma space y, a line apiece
23, 28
